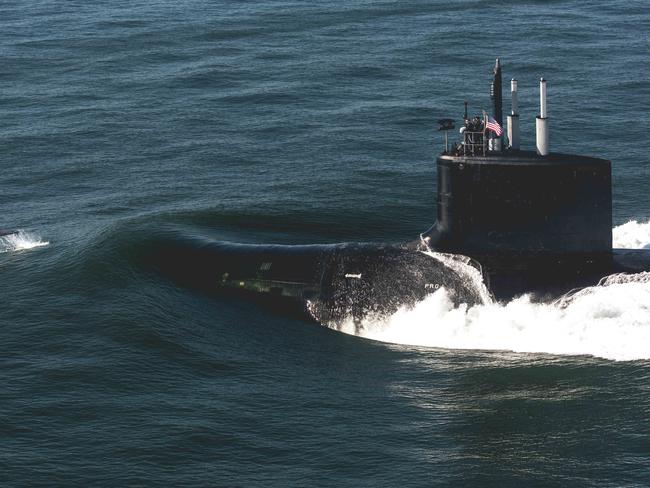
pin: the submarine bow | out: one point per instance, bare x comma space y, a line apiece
327, 283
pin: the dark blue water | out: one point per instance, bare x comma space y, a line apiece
123, 124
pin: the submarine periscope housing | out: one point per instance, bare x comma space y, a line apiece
531, 218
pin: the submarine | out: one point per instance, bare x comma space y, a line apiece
510, 221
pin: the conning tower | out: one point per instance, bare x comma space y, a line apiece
546, 214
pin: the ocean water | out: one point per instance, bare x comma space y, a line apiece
123, 124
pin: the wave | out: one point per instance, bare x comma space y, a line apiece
610, 320
20, 241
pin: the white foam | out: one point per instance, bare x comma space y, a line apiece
633, 235
19, 241
610, 320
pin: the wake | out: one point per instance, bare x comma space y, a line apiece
610, 320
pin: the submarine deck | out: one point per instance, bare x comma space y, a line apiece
524, 158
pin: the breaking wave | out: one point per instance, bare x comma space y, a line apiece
610, 320
19, 241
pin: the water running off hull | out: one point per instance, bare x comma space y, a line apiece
327, 283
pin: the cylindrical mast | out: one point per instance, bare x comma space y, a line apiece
542, 98
541, 123
513, 118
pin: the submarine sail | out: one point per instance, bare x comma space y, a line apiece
537, 221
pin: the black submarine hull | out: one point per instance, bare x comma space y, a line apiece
325, 283
536, 225
331, 284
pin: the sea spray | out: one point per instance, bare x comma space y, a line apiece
632, 235
19, 241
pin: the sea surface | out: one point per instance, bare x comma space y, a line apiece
124, 124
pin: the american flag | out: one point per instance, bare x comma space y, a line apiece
494, 126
